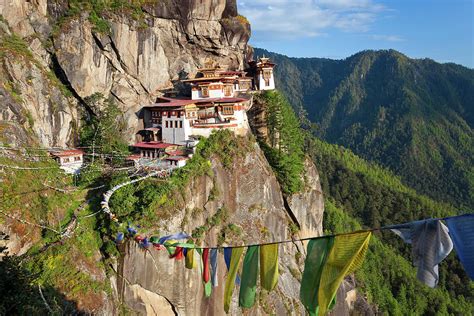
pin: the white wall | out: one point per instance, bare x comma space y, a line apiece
196, 94
173, 134
261, 83
216, 93
71, 167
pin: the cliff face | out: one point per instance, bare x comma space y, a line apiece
130, 62
54, 60
253, 202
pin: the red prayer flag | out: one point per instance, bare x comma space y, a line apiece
178, 254
206, 275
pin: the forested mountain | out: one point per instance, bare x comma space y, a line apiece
414, 116
359, 194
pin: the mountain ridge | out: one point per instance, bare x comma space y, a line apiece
414, 116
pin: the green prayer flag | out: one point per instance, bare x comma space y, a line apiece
346, 255
230, 281
248, 283
170, 246
185, 245
269, 266
317, 253
207, 285
154, 239
208, 288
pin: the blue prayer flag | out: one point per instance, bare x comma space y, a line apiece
461, 229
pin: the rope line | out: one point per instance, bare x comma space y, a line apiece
27, 168
28, 223
387, 227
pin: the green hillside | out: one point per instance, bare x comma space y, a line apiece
361, 194
413, 116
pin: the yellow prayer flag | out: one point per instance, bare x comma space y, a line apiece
230, 280
268, 266
190, 261
346, 255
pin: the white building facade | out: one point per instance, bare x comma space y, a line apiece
71, 161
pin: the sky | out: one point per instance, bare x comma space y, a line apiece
442, 30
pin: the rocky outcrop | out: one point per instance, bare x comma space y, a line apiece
133, 61
250, 195
35, 107
306, 206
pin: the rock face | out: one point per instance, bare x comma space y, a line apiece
307, 206
52, 63
130, 63
251, 196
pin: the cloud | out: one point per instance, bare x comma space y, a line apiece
308, 18
387, 38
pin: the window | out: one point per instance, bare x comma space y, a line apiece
228, 110
244, 85
166, 124
227, 90
65, 160
267, 74
77, 158
180, 124
205, 91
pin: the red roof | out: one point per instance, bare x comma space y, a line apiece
133, 157
153, 145
67, 153
176, 158
176, 153
170, 102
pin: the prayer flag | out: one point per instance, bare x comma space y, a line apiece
177, 236
431, 243
236, 253
248, 283
317, 254
119, 238
214, 253
206, 275
227, 255
269, 266
190, 261
461, 229
346, 255
178, 253
207, 289
154, 239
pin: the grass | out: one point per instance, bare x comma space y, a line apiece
66, 266
217, 219
14, 92
242, 19
229, 232
15, 45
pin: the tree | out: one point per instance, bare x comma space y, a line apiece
104, 130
